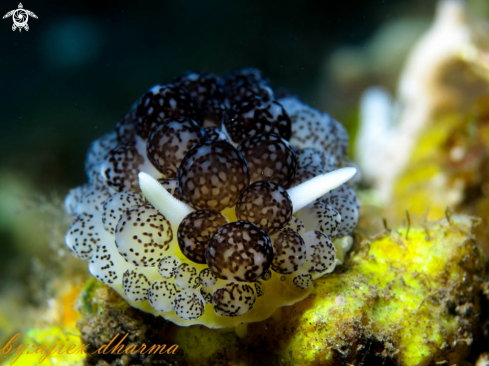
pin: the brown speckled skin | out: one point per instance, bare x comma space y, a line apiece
116, 205
207, 278
148, 245
245, 82
195, 231
232, 252
186, 276
121, 168
214, 112
83, 237
269, 157
321, 253
102, 256
169, 142
234, 299
135, 285
208, 90
325, 217
345, 200
201, 86
168, 265
162, 288
215, 134
313, 157
126, 127
188, 305
242, 88
289, 252
311, 128
96, 154
303, 281
164, 101
212, 175
253, 115
266, 204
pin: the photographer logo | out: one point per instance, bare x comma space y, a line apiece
20, 17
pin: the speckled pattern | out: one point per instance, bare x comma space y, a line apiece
258, 289
245, 82
320, 216
253, 115
86, 199
161, 295
214, 112
345, 191
246, 89
143, 235
265, 204
121, 167
83, 236
212, 175
125, 128
167, 266
189, 304
269, 157
116, 205
215, 134
303, 281
239, 251
296, 225
321, 252
345, 200
96, 154
135, 285
201, 86
289, 251
107, 265
186, 276
161, 102
206, 294
310, 158
169, 142
207, 278
228, 149
195, 231
311, 128
233, 300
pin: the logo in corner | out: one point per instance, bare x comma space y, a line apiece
20, 17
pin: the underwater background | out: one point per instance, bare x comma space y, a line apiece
82, 64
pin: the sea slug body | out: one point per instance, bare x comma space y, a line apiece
214, 201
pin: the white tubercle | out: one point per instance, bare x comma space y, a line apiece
173, 209
310, 190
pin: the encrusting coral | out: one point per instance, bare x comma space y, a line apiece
409, 296
214, 201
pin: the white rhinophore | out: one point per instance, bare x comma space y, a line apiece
309, 191
173, 209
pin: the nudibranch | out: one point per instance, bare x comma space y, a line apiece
215, 201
